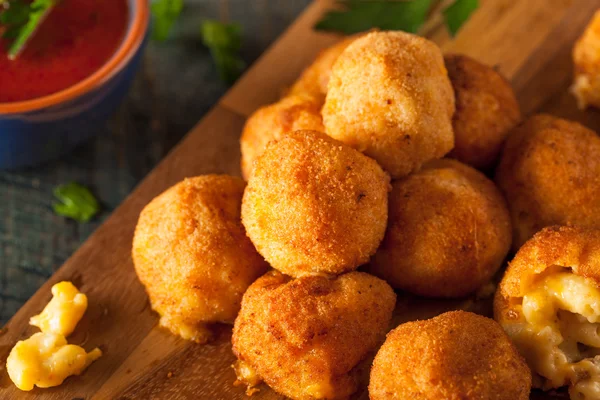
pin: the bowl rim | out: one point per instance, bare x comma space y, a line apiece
131, 43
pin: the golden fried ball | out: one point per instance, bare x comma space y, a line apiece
315, 205
586, 57
549, 304
454, 356
448, 231
191, 253
550, 175
292, 113
304, 337
486, 111
315, 77
390, 97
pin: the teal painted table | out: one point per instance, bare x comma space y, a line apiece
175, 87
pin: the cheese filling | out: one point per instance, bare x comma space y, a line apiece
63, 312
198, 333
46, 360
247, 376
558, 332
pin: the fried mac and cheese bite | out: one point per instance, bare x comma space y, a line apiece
586, 57
486, 111
390, 97
191, 253
292, 113
305, 337
315, 205
448, 232
454, 356
549, 304
315, 78
550, 175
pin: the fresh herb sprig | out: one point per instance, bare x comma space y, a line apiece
20, 19
165, 13
224, 42
405, 15
75, 202
458, 13
362, 15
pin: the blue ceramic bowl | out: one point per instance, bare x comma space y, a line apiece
39, 130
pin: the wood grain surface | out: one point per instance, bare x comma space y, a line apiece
529, 41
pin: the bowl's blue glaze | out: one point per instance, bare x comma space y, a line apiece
40, 135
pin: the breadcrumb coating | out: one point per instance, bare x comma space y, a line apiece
586, 57
448, 232
573, 247
549, 303
486, 111
454, 356
314, 205
191, 253
292, 113
389, 97
305, 337
549, 173
315, 78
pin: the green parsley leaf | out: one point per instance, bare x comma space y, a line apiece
76, 202
14, 16
362, 15
165, 13
458, 13
224, 42
21, 19
14, 13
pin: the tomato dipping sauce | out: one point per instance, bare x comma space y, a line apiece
75, 40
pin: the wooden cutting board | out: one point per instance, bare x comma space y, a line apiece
529, 41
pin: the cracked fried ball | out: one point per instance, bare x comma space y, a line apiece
448, 231
549, 304
292, 113
454, 356
315, 205
486, 111
390, 97
315, 78
305, 337
586, 57
550, 175
191, 253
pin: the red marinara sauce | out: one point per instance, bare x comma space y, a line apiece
75, 40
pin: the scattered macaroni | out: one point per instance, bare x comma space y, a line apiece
63, 312
46, 360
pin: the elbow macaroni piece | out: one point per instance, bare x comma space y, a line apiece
46, 360
558, 332
63, 312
